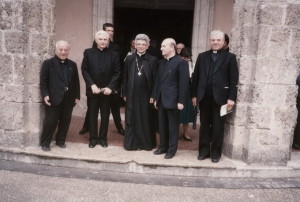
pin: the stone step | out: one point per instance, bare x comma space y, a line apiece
116, 159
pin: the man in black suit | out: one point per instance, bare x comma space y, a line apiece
60, 90
101, 72
115, 96
171, 89
214, 83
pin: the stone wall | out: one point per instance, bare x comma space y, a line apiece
26, 39
266, 39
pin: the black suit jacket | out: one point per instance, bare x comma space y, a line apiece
224, 79
108, 76
172, 82
52, 81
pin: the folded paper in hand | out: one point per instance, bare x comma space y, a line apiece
226, 110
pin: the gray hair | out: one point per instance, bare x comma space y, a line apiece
101, 32
217, 33
62, 42
143, 37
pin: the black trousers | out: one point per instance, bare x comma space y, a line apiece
57, 116
168, 129
296, 140
211, 128
86, 119
115, 110
100, 102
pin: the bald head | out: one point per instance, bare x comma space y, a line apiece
168, 47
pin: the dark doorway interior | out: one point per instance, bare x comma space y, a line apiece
156, 23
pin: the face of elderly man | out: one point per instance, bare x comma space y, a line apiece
102, 40
141, 46
216, 41
62, 50
168, 48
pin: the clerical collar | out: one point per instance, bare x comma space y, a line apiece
60, 60
170, 58
140, 54
217, 51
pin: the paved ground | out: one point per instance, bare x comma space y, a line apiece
19, 186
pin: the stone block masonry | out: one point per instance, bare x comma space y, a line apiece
26, 39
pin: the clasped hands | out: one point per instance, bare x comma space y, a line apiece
96, 90
179, 106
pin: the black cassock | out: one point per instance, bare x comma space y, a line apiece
138, 83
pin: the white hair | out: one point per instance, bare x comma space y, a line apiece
217, 33
101, 32
62, 42
143, 37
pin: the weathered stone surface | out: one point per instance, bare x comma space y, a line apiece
291, 93
6, 69
260, 117
13, 138
19, 69
16, 93
245, 92
2, 92
20, 118
35, 94
49, 23
248, 13
270, 14
240, 116
16, 42
286, 118
6, 15
295, 45
33, 16
268, 155
293, 15
6, 116
249, 41
263, 94
263, 44
1, 41
278, 45
39, 44
246, 69
33, 66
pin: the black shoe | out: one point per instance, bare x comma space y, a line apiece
45, 148
295, 146
92, 144
83, 131
62, 145
187, 139
103, 143
121, 131
215, 160
202, 157
158, 152
169, 156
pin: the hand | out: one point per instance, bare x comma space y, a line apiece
95, 89
194, 101
230, 104
124, 98
155, 105
151, 100
107, 91
46, 100
180, 106
77, 101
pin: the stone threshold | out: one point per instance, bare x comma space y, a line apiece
116, 159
